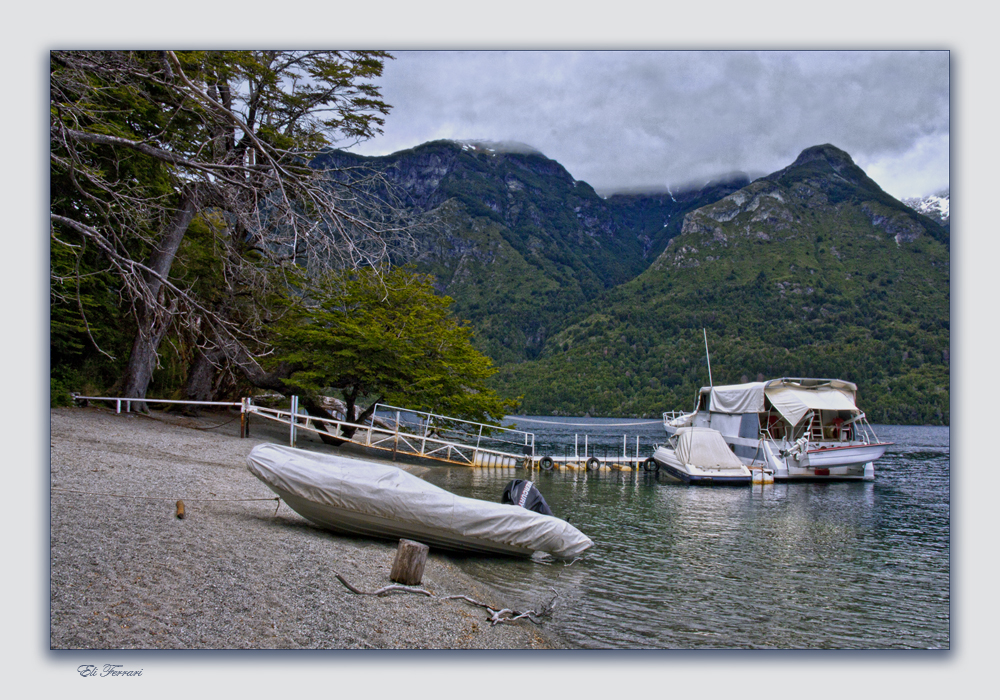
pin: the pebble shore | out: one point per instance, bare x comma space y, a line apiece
240, 570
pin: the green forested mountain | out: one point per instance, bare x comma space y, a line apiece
592, 305
812, 271
521, 246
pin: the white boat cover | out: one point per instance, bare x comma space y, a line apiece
738, 398
359, 496
704, 447
794, 402
791, 399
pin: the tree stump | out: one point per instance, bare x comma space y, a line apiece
408, 568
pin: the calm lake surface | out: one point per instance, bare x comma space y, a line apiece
788, 566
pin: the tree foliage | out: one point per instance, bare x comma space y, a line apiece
145, 143
830, 296
384, 335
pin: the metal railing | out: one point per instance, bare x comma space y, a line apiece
422, 434
412, 433
119, 400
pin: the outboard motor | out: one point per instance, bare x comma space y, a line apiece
520, 492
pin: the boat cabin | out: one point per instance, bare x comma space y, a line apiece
787, 409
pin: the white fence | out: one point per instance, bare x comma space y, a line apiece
118, 400
417, 434
414, 433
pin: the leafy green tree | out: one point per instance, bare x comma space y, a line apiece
383, 335
143, 143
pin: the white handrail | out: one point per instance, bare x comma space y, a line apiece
129, 400
376, 437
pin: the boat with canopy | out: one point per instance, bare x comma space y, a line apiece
796, 428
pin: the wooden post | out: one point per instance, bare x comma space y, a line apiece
408, 568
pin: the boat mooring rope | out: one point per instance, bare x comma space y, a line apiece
165, 498
180, 501
588, 425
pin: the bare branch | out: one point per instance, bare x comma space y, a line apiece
497, 617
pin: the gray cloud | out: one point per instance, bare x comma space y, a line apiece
634, 119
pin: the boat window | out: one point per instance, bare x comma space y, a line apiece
772, 424
749, 425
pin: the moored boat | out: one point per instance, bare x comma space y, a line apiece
798, 428
360, 497
701, 456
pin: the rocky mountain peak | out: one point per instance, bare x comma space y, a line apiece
825, 166
827, 153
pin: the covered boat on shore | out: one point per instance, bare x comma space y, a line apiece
359, 497
796, 427
701, 456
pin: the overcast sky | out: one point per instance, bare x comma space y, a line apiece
636, 119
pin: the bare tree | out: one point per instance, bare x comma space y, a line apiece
143, 143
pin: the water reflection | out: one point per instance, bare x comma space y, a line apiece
813, 565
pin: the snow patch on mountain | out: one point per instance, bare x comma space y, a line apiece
936, 206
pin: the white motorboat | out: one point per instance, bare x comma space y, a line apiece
359, 497
798, 428
701, 456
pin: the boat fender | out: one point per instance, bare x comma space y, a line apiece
650, 465
546, 462
593, 463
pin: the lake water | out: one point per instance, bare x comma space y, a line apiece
788, 566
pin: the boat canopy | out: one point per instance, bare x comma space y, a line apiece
737, 398
793, 398
704, 447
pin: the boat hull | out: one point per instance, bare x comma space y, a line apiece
843, 456
351, 522
696, 476
359, 497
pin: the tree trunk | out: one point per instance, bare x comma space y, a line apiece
313, 408
200, 385
141, 363
154, 317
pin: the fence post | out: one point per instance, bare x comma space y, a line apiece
395, 444
294, 408
423, 441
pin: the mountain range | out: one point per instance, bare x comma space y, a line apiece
598, 305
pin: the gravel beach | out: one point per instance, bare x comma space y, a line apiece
240, 570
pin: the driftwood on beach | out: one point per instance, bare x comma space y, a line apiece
408, 566
497, 616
